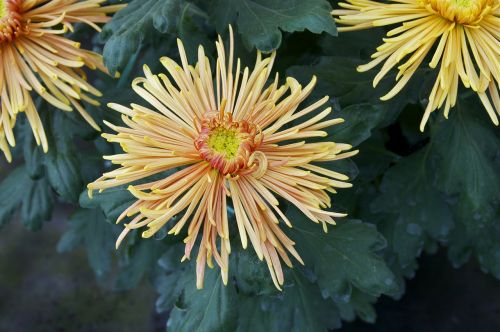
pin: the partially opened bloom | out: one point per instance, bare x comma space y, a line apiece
236, 144
35, 57
461, 35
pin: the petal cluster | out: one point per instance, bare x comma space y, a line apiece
35, 57
224, 145
460, 36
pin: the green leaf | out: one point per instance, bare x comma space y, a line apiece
171, 283
37, 203
255, 314
131, 26
12, 190
88, 227
353, 44
209, 309
466, 156
61, 162
33, 154
63, 174
414, 211
34, 197
483, 242
338, 77
142, 259
251, 273
360, 304
354, 48
360, 120
343, 258
373, 160
467, 162
194, 30
261, 21
112, 201
300, 307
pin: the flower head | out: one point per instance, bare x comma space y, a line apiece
34, 56
236, 144
465, 34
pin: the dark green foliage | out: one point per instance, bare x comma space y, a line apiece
300, 307
467, 160
141, 260
341, 271
87, 227
260, 21
33, 196
33, 155
360, 120
210, 309
112, 201
344, 257
137, 23
405, 189
170, 283
413, 191
61, 162
360, 304
467, 148
37, 203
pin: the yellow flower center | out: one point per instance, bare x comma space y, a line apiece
10, 19
462, 11
227, 144
3, 9
224, 141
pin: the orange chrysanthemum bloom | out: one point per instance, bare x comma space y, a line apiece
34, 56
467, 35
237, 144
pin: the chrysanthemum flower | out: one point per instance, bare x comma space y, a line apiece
235, 145
34, 56
466, 34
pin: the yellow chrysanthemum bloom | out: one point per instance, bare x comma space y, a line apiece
233, 143
467, 35
34, 56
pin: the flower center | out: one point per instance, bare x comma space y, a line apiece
462, 11
224, 141
227, 144
3, 10
10, 20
